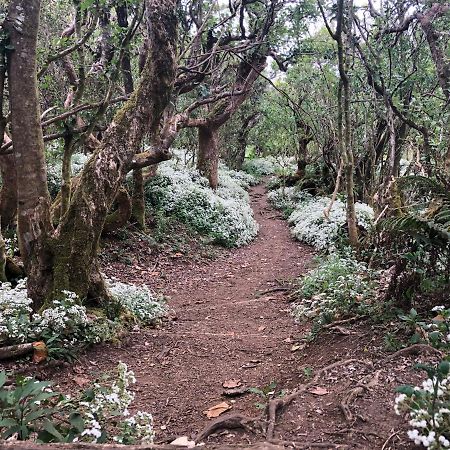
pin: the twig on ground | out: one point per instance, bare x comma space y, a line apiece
276, 289
388, 439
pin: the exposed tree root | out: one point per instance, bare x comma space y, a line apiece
368, 382
279, 403
342, 322
305, 445
415, 350
229, 422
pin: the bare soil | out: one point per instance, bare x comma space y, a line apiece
230, 320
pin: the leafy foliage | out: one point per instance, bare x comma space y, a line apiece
224, 214
33, 411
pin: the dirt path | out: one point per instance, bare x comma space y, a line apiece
226, 327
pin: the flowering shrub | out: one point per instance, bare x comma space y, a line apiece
224, 214
15, 311
34, 411
312, 227
260, 167
287, 198
428, 408
140, 301
68, 320
337, 286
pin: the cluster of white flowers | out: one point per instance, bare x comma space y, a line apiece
107, 406
336, 286
312, 227
223, 214
64, 316
136, 429
260, 166
67, 318
287, 198
428, 408
12, 245
15, 310
139, 300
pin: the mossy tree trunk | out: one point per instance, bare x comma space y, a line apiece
65, 258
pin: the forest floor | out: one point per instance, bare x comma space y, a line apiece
230, 322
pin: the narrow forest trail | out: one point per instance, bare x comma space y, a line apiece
228, 326
228, 321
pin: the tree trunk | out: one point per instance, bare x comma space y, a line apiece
2, 259
208, 154
8, 193
66, 258
34, 223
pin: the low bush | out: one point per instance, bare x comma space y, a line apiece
287, 198
428, 408
224, 215
306, 215
339, 286
67, 323
260, 167
33, 411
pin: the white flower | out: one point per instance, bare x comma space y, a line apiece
438, 308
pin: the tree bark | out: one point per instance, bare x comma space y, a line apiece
208, 154
34, 224
8, 193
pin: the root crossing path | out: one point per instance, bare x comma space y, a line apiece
232, 322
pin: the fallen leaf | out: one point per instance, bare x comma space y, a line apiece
40, 352
230, 384
217, 410
261, 328
183, 441
319, 391
80, 381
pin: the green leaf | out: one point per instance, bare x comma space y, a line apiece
3, 378
8, 422
50, 428
77, 422
405, 389
444, 367
10, 431
30, 417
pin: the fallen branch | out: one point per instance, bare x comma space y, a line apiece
12, 351
227, 422
341, 322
